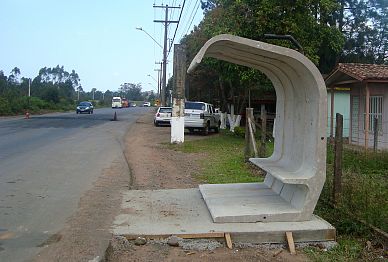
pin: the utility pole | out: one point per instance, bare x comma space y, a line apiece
29, 87
178, 105
159, 78
166, 22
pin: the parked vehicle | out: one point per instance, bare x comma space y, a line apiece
201, 116
163, 116
117, 102
84, 107
146, 104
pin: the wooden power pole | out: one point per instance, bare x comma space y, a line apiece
166, 22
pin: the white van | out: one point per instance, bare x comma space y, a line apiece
117, 102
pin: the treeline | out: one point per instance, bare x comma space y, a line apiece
55, 89
330, 31
51, 89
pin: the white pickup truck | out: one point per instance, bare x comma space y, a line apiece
201, 116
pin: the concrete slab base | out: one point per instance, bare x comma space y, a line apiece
183, 212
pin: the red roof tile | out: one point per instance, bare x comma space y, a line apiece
364, 71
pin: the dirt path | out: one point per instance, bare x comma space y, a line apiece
154, 166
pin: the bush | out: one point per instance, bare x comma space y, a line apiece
4, 107
239, 131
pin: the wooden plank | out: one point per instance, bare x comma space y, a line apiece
228, 240
198, 235
202, 235
252, 137
291, 244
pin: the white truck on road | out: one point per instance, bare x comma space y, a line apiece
201, 116
117, 102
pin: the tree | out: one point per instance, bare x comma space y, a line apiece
14, 75
365, 26
131, 91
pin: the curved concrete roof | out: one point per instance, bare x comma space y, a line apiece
300, 135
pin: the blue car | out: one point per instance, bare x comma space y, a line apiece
84, 107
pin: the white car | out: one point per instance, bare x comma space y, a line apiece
201, 116
163, 116
146, 104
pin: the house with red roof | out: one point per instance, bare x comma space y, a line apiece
367, 85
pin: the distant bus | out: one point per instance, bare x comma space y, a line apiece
124, 102
117, 102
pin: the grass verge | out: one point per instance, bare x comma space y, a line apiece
224, 159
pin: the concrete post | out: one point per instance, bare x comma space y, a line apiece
178, 107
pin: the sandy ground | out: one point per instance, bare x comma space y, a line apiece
88, 232
154, 166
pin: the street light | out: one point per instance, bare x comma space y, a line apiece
152, 86
153, 78
141, 29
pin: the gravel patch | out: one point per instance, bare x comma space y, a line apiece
191, 244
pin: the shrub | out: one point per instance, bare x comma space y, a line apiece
4, 107
239, 131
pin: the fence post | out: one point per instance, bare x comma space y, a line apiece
263, 117
375, 133
338, 148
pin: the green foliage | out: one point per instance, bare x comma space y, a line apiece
328, 30
307, 21
239, 131
52, 89
347, 249
4, 107
364, 192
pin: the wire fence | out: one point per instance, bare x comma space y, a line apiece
355, 132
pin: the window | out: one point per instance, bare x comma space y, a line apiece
375, 111
194, 106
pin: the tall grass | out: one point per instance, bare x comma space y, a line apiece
364, 189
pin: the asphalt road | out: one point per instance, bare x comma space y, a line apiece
46, 164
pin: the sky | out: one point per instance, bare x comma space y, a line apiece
96, 38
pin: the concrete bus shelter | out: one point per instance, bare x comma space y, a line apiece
295, 173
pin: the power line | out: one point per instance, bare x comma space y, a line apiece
184, 17
193, 17
176, 29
